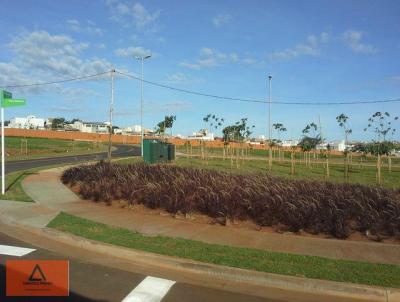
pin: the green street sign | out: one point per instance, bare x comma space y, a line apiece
8, 101
6, 94
12, 102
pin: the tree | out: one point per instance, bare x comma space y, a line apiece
213, 121
167, 123
311, 138
75, 120
308, 143
58, 123
237, 132
280, 128
382, 124
342, 121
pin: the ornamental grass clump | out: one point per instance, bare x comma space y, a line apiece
312, 206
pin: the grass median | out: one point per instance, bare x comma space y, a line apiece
14, 190
278, 263
19, 148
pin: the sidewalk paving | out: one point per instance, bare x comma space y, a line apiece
52, 196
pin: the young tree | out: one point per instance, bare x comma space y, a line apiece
167, 123
280, 128
213, 121
311, 138
239, 132
342, 121
382, 124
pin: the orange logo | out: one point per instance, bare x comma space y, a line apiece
37, 277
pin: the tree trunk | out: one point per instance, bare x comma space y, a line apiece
292, 170
270, 159
327, 167
378, 169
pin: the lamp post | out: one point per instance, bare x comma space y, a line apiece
141, 58
269, 124
110, 132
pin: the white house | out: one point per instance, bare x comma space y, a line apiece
90, 127
290, 143
201, 135
334, 145
29, 122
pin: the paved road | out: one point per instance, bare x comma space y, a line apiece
121, 151
94, 282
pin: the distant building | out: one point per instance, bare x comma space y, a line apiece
201, 135
334, 145
29, 122
289, 143
90, 127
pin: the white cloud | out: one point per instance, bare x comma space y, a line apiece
189, 65
249, 61
89, 27
142, 16
132, 52
352, 39
210, 57
181, 78
311, 47
132, 13
171, 106
221, 19
39, 57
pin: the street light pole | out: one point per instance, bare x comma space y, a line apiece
142, 58
269, 125
111, 114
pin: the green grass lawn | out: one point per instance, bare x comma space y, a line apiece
362, 175
44, 147
271, 262
14, 190
356, 158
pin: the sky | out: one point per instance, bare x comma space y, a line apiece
316, 51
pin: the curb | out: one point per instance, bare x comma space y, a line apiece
324, 288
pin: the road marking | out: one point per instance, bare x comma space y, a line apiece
151, 289
14, 250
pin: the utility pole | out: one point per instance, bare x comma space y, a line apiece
269, 125
3, 174
142, 58
320, 128
111, 114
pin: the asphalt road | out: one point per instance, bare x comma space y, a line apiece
121, 151
94, 282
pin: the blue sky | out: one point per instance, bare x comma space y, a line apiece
317, 51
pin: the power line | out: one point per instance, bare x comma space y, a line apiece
254, 100
56, 82
203, 94
189, 91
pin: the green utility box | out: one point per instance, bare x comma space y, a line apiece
171, 152
156, 151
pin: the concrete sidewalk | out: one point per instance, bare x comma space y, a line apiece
52, 196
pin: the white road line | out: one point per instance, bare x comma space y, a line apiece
151, 289
14, 250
